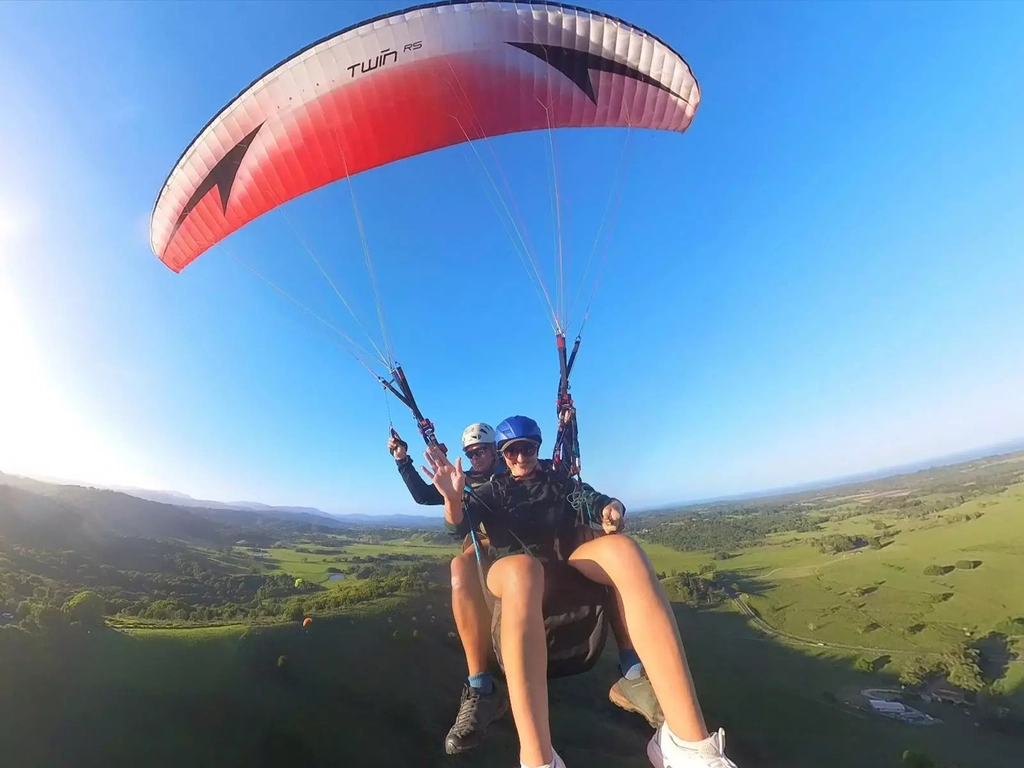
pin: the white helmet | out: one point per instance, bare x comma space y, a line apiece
475, 434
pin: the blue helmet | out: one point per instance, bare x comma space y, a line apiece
517, 428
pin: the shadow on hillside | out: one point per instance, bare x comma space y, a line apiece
743, 583
365, 691
995, 654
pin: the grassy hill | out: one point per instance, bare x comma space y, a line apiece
352, 693
791, 607
880, 598
69, 515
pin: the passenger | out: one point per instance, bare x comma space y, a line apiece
483, 701
529, 519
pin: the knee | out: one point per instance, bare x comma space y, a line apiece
622, 552
463, 567
522, 581
622, 545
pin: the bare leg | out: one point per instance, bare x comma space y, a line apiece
618, 562
518, 581
617, 621
615, 616
472, 617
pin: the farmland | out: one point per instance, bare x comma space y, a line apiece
790, 608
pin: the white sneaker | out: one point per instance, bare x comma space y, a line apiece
556, 761
664, 753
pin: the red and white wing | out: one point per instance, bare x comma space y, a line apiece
408, 83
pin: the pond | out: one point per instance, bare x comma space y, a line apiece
336, 577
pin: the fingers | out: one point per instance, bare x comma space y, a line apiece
437, 458
440, 466
611, 519
458, 476
431, 456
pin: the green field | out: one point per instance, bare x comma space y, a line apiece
313, 567
374, 681
352, 693
906, 605
879, 603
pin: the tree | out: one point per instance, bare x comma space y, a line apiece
48, 618
963, 668
863, 665
919, 671
87, 607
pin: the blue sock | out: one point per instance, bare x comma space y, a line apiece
482, 682
629, 664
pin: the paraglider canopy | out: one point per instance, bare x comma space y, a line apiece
307, 621
406, 83
299, 583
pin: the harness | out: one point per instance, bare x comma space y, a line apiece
566, 453
519, 500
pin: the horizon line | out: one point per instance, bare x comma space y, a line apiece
969, 454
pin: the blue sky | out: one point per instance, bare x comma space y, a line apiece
822, 276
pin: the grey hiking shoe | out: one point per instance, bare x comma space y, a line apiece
637, 696
476, 712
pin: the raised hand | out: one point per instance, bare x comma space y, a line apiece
397, 446
611, 518
448, 478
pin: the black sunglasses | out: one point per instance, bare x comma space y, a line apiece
479, 450
525, 449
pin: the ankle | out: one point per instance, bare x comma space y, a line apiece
554, 762
482, 682
687, 738
630, 665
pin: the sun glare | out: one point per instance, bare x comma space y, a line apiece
43, 431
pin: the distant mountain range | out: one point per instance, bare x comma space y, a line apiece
236, 513
184, 500
248, 513
305, 514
